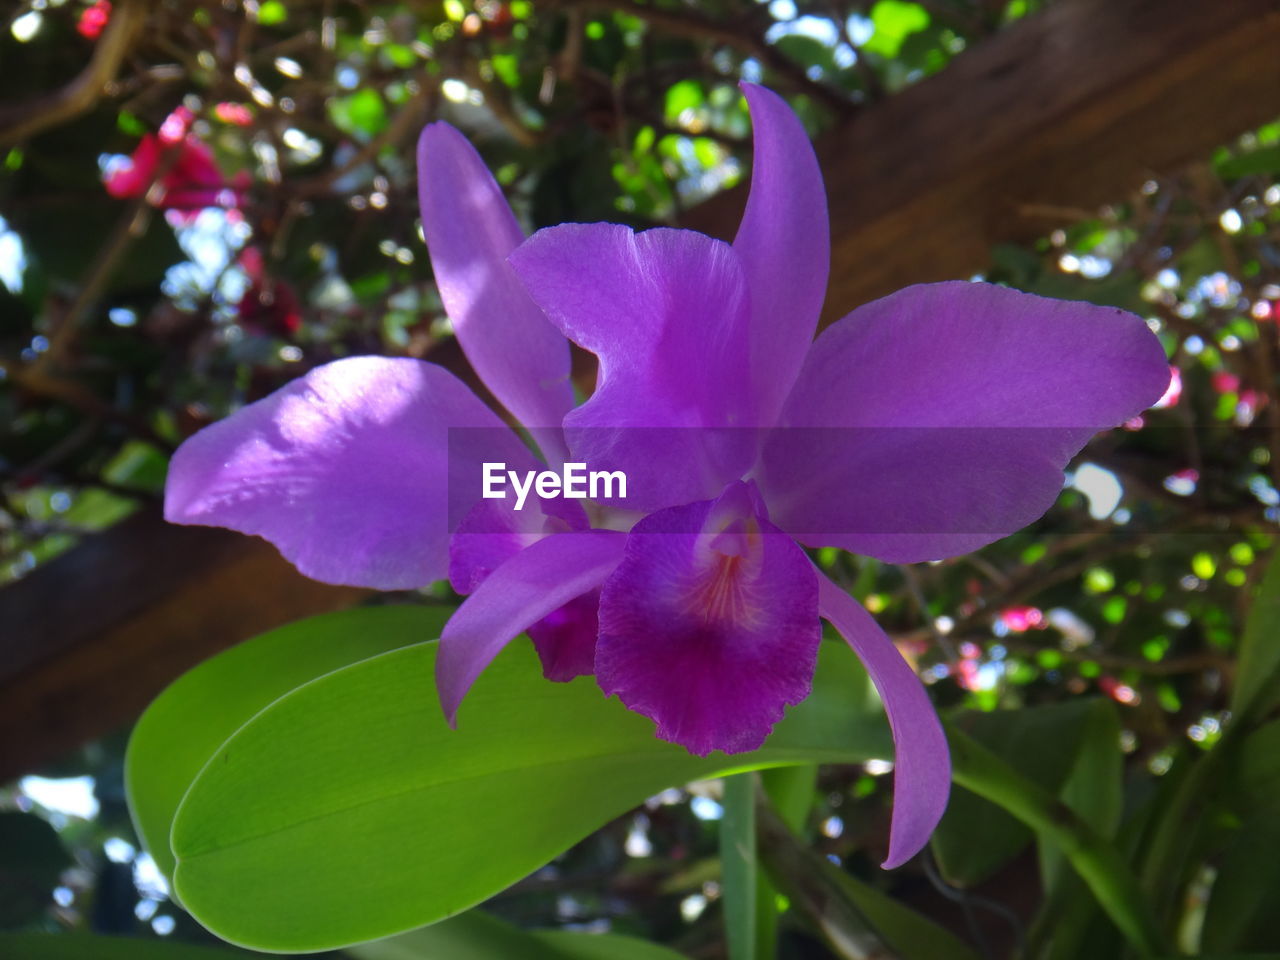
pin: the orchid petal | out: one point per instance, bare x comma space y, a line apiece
470, 230
666, 312
709, 625
922, 760
345, 470
940, 418
566, 638
532, 584
784, 246
494, 531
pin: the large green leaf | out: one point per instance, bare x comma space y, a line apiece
475, 935
1246, 893
347, 810
1095, 787
193, 717
1259, 649
976, 838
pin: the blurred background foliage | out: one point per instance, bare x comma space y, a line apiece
242, 207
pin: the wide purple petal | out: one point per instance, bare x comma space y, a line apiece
534, 583
709, 625
940, 418
922, 760
344, 470
784, 245
470, 230
666, 312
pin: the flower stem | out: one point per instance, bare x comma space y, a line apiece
738, 865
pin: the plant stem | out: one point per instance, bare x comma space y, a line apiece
738, 865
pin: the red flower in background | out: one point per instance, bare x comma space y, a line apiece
94, 20
191, 183
269, 306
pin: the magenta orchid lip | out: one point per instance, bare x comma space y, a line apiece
952, 409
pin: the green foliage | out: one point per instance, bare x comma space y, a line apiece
1055, 746
33, 859
475, 935
46, 946
319, 809
186, 724
894, 21
1257, 688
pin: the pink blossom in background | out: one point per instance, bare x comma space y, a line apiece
93, 20
1224, 382
1022, 619
192, 182
1173, 392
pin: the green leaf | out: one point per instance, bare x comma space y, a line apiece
476, 935
1246, 892
187, 723
913, 935
1095, 787
685, 95
894, 21
272, 12
1259, 651
853, 916
976, 838
1256, 771
363, 114
347, 810
78, 946
1097, 860
1261, 162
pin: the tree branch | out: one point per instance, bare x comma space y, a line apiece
21, 121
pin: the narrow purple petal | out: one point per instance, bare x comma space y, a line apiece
470, 230
666, 312
519, 593
344, 470
922, 760
493, 532
940, 418
709, 626
784, 245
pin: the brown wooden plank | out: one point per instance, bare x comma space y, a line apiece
1073, 107
91, 638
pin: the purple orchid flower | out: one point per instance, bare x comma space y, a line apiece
919, 427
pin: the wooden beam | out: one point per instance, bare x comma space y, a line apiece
89, 640
1073, 107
